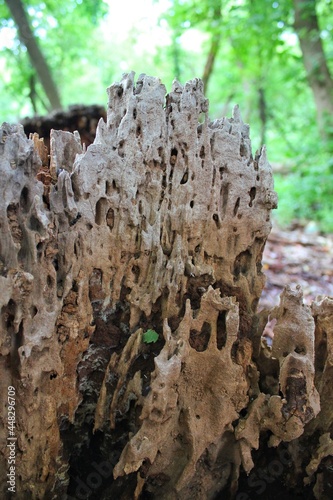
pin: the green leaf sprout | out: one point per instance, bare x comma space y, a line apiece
150, 336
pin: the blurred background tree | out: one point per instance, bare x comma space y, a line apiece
273, 58
45, 46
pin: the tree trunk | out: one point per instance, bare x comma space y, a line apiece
214, 44
262, 114
159, 227
82, 118
320, 80
37, 59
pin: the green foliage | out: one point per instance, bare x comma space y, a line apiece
306, 193
65, 31
150, 336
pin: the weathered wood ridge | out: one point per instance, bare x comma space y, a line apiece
161, 225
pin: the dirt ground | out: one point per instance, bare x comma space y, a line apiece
297, 257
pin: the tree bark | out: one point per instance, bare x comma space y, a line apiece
82, 118
160, 225
36, 56
318, 74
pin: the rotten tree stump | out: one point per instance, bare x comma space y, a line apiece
160, 225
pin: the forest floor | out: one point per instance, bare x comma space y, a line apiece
295, 257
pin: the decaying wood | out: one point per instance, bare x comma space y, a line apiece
161, 225
82, 118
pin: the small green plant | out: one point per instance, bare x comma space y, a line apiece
150, 336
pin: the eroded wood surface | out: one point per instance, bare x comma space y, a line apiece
160, 224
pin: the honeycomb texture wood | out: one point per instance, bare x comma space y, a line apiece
160, 224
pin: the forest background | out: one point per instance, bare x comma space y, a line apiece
273, 58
